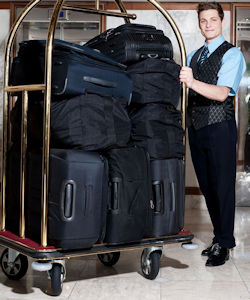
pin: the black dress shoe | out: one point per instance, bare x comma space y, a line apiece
218, 257
208, 251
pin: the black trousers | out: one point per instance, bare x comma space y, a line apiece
213, 150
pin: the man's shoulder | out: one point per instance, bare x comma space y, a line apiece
189, 58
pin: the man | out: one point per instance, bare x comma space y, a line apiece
213, 77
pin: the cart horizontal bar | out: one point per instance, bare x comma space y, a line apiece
28, 87
50, 253
100, 12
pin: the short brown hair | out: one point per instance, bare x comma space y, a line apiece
210, 5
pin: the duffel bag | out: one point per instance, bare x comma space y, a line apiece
155, 80
89, 122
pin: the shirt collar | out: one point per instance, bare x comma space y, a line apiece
215, 44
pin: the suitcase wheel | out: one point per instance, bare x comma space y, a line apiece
109, 259
150, 263
57, 275
13, 264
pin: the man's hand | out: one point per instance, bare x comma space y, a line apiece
186, 76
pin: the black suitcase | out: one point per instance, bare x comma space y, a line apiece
78, 193
157, 128
168, 189
247, 152
129, 217
129, 43
90, 122
155, 80
75, 70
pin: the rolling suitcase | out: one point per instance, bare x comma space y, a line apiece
155, 81
129, 217
78, 193
168, 190
129, 43
75, 70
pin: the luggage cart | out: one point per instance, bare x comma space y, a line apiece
14, 262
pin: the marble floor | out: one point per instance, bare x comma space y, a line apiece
182, 275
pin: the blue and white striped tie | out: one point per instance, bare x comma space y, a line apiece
203, 55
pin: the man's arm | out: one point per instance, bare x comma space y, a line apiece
210, 91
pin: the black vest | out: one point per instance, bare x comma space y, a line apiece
201, 110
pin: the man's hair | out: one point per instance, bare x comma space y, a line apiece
210, 5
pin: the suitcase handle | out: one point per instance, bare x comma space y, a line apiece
68, 200
100, 82
115, 193
172, 185
158, 196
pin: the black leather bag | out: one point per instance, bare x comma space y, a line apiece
155, 81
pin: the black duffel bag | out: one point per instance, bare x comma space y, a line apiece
155, 80
89, 122
157, 128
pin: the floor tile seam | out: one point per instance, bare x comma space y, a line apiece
244, 282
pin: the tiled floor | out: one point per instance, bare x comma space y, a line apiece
182, 275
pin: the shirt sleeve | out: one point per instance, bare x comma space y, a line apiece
232, 70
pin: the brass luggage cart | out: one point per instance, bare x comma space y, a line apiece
14, 261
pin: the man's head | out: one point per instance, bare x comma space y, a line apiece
211, 20
210, 5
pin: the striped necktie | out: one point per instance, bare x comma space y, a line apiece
203, 55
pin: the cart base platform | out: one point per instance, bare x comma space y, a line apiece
32, 249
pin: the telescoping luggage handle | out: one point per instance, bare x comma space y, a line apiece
46, 87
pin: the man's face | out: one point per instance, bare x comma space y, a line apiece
210, 24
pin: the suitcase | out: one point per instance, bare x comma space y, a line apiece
90, 122
157, 128
130, 43
155, 81
129, 217
168, 190
75, 70
78, 193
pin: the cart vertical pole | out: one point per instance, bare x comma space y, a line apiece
23, 163
6, 105
46, 122
122, 9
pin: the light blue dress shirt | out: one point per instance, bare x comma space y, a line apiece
232, 68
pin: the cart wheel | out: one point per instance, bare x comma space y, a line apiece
109, 259
15, 270
56, 275
150, 266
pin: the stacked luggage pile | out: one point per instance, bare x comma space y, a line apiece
116, 158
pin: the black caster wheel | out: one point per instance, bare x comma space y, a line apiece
109, 259
14, 270
150, 264
57, 276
